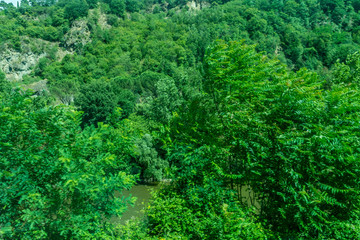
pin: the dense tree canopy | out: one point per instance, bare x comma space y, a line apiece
248, 110
58, 181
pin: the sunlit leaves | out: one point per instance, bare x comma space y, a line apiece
59, 181
280, 133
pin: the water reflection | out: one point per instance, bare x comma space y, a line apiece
143, 194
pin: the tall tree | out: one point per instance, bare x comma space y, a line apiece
97, 100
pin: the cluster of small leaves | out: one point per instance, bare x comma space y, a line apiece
198, 206
290, 140
152, 167
279, 133
57, 181
4, 84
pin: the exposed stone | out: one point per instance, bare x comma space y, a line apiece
61, 53
78, 35
15, 64
197, 5
101, 18
193, 5
38, 87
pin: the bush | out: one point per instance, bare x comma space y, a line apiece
58, 182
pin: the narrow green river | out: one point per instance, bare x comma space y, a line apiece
143, 194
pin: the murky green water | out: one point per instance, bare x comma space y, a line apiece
143, 194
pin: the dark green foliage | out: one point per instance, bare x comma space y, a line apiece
97, 100
4, 83
117, 7
148, 80
75, 9
65, 90
288, 131
133, 5
278, 133
254, 150
124, 91
198, 206
92, 3
58, 17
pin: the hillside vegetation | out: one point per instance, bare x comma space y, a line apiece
250, 108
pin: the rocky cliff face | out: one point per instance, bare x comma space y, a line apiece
78, 36
38, 87
15, 65
197, 5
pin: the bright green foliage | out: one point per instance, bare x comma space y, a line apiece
198, 206
290, 140
167, 101
59, 182
348, 72
151, 165
278, 133
4, 84
222, 116
144, 47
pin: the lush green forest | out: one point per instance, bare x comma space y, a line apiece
249, 109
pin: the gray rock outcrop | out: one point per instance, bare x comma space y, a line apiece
15, 64
78, 35
38, 87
